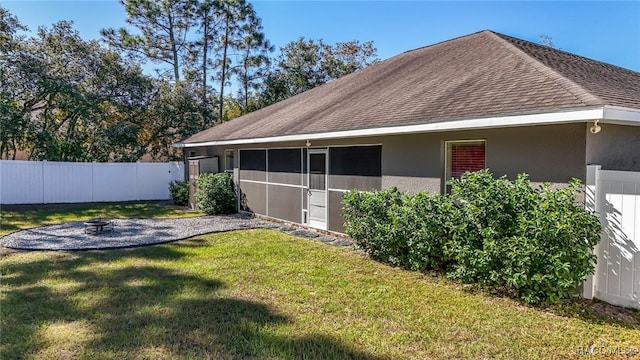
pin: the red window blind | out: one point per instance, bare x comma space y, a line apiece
466, 157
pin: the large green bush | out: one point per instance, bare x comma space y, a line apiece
530, 242
403, 230
179, 192
216, 194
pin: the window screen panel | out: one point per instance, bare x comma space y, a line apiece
285, 160
356, 160
253, 160
317, 171
228, 160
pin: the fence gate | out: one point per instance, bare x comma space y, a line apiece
615, 196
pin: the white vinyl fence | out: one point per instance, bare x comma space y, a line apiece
44, 182
615, 196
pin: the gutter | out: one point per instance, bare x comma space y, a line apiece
605, 114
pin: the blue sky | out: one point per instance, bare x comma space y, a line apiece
606, 31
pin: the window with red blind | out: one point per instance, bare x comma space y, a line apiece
463, 156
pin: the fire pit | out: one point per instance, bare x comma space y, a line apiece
96, 226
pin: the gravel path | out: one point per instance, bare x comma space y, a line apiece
141, 232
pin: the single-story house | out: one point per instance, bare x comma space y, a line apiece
421, 118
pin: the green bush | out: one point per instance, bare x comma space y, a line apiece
403, 230
179, 192
530, 243
216, 194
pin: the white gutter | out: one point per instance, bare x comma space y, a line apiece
606, 114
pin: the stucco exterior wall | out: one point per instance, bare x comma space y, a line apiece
615, 147
549, 153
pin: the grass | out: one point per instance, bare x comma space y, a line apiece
17, 217
261, 294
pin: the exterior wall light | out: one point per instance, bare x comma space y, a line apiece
308, 143
595, 128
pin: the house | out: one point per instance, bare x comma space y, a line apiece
423, 117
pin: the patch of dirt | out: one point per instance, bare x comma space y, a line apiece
5, 251
604, 311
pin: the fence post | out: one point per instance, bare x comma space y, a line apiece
590, 192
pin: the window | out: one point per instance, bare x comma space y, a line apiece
253, 160
285, 160
356, 160
463, 156
228, 160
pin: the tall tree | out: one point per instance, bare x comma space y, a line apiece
235, 14
80, 99
164, 26
305, 64
208, 21
254, 64
13, 120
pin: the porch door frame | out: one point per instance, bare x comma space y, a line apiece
317, 199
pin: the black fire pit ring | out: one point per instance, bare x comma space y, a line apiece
96, 226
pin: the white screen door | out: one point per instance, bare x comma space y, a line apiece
317, 190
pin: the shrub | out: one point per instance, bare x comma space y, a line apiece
531, 242
369, 220
179, 192
403, 230
216, 194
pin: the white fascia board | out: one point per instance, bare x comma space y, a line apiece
468, 124
621, 115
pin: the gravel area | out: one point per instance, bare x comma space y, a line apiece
141, 232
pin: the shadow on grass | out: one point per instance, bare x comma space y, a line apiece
126, 304
592, 311
16, 217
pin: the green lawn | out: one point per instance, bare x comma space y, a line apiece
16, 217
261, 294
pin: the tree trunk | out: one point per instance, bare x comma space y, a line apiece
224, 66
205, 50
174, 49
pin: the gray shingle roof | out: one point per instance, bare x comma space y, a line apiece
479, 75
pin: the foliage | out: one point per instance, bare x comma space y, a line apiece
403, 230
216, 193
533, 243
163, 28
305, 64
530, 243
179, 192
67, 96
68, 99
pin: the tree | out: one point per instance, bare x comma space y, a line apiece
254, 63
546, 40
238, 16
207, 23
305, 64
77, 100
13, 120
163, 25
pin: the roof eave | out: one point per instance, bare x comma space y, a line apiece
606, 114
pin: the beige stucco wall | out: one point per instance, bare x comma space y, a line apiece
549, 153
615, 147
